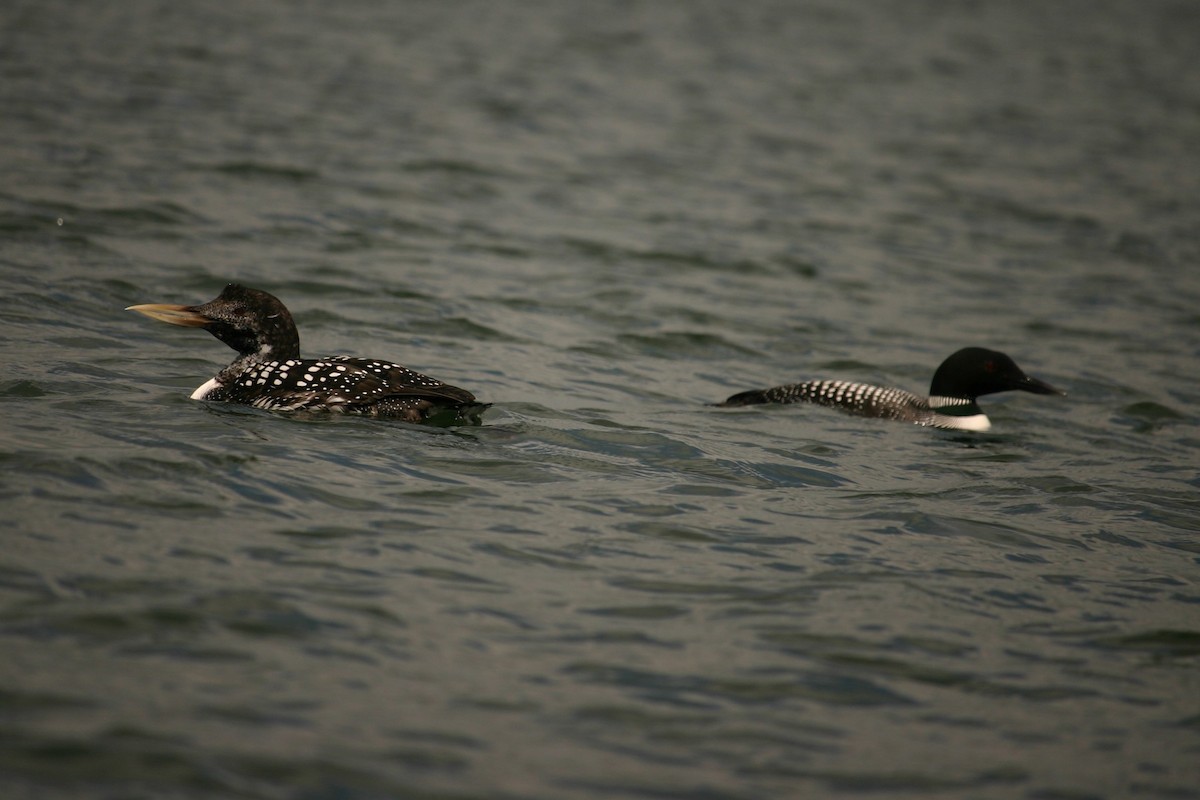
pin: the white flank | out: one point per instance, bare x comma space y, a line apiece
202, 391
975, 422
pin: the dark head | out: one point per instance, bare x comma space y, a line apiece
975, 371
252, 322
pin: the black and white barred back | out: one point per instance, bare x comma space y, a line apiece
965, 375
860, 399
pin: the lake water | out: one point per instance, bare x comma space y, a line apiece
601, 216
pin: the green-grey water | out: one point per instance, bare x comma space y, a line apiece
601, 217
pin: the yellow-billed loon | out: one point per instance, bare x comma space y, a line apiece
966, 375
268, 372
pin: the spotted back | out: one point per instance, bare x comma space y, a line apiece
861, 399
356, 385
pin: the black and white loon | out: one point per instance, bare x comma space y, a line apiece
268, 372
962, 378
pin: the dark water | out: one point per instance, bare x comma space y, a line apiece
600, 216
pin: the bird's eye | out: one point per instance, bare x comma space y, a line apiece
989, 366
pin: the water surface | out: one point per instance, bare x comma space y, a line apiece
601, 217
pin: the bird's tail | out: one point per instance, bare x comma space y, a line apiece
751, 398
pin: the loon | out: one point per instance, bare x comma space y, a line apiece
959, 381
269, 373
